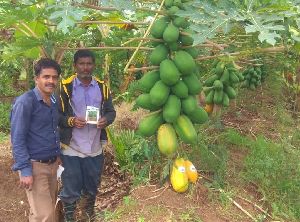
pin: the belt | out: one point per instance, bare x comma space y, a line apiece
48, 161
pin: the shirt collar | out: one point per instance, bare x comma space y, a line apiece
37, 94
77, 82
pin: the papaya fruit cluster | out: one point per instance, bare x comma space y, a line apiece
220, 86
182, 172
253, 77
169, 93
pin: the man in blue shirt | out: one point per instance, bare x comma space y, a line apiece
35, 141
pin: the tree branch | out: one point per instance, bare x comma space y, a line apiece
113, 22
115, 9
107, 48
258, 50
146, 34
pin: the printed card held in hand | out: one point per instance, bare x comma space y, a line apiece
92, 115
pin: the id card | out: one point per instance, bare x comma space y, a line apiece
92, 115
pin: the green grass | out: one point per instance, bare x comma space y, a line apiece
275, 168
4, 117
295, 138
209, 156
273, 165
190, 215
3, 137
128, 204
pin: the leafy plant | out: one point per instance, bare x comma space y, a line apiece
4, 116
210, 157
267, 18
9, 75
6, 86
134, 154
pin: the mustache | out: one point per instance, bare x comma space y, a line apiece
51, 85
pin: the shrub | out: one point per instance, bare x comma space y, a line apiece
4, 116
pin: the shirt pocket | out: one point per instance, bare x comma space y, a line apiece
97, 101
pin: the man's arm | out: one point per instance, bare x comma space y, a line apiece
64, 120
20, 121
109, 112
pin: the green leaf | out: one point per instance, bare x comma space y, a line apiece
298, 23
32, 53
66, 16
38, 28
27, 42
251, 28
269, 37
119, 4
296, 38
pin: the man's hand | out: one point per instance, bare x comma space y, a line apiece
26, 182
102, 123
79, 122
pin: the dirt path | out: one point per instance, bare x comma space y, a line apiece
13, 201
167, 204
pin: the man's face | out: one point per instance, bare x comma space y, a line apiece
47, 81
84, 67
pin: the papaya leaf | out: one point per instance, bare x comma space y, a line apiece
269, 37
119, 4
38, 28
298, 22
296, 38
32, 53
10, 14
23, 46
66, 16
27, 42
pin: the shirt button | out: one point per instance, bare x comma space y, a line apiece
54, 131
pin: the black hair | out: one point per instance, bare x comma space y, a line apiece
83, 53
45, 63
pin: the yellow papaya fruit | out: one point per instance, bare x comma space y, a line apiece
209, 108
191, 171
179, 179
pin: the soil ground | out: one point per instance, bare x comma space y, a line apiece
154, 203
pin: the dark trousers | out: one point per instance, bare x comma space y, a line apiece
80, 177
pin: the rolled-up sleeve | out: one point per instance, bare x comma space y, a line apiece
20, 121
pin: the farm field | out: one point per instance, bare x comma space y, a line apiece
256, 117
